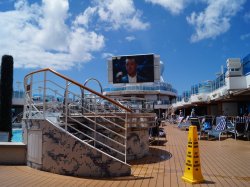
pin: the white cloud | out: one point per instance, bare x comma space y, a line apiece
37, 36
174, 6
113, 14
245, 36
85, 17
215, 19
107, 55
130, 38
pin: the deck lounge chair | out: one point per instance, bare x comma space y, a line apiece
196, 122
209, 119
238, 128
220, 128
172, 119
179, 119
156, 132
206, 125
184, 124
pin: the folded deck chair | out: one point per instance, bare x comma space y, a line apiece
219, 129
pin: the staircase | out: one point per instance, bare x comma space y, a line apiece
55, 111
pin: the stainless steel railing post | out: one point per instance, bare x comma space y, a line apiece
95, 122
29, 89
126, 134
66, 105
44, 93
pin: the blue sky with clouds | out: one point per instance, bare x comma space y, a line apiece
193, 37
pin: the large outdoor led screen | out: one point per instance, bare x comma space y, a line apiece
133, 69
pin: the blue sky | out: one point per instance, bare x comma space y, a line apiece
193, 37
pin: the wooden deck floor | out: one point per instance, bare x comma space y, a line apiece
224, 163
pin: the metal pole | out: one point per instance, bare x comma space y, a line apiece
44, 94
126, 134
30, 96
95, 123
66, 105
82, 90
82, 99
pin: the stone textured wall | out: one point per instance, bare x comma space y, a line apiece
138, 144
64, 154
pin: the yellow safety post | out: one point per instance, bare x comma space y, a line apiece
192, 173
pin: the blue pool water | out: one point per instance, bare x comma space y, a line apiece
17, 135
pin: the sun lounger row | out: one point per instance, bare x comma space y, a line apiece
215, 127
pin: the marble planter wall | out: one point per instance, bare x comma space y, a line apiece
137, 133
64, 154
137, 143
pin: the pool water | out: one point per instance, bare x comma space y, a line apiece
17, 135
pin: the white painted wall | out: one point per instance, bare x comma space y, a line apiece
237, 82
35, 146
248, 81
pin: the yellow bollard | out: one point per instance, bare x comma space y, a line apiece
192, 173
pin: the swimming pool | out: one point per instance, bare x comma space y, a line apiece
17, 135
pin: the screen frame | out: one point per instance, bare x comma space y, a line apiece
155, 72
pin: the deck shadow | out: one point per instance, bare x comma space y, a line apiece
208, 182
155, 155
125, 178
158, 142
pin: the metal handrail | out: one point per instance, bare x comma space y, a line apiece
98, 103
97, 124
81, 86
103, 119
99, 142
97, 133
70, 108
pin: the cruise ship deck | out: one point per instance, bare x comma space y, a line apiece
223, 163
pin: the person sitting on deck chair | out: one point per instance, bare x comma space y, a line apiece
157, 131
